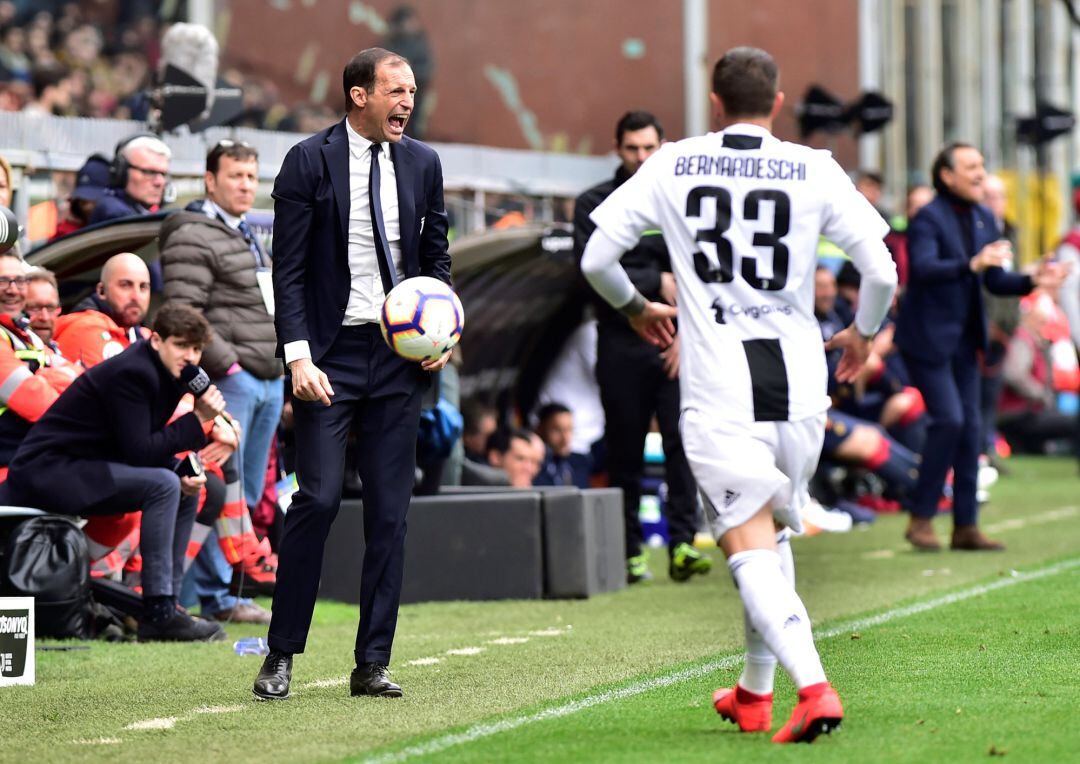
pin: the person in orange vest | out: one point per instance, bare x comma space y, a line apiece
32, 376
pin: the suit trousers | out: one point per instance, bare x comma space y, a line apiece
951, 392
377, 394
634, 387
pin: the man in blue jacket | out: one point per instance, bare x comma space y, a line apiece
954, 247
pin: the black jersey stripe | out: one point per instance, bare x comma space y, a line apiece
769, 380
742, 142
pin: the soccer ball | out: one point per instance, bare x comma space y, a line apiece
421, 319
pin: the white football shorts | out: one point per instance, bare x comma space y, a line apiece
741, 466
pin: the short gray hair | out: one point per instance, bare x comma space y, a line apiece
148, 142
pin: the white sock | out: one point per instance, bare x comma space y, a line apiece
759, 669
777, 613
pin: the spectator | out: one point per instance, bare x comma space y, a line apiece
109, 320
918, 196
91, 184
140, 172
512, 451
32, 376
481, 421
1039, 364
52, 85
406, 37
42, 303
556, 430
213, 262
108, 437
1068, 252
871, 185
637, 380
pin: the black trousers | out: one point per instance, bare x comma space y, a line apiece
634, 387
379, 395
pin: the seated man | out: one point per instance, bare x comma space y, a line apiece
108, 438
512, 451
32, 376
556, 429
137, 185
42, 304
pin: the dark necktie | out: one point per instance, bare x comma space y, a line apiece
378, 229
253, 245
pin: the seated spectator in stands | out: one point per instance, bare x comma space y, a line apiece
110, 319
556, 428
512, 451
91, 184
32, 376
140, 174
107, 436
42, 303
481, 421
52, 85
1039, 364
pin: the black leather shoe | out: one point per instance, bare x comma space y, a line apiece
373, 679
272, 683
180, 627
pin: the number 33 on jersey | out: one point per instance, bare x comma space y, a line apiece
741, 213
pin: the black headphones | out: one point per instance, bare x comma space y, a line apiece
118, 169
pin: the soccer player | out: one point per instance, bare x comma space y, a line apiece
741, 212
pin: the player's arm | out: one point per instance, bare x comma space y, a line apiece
600, 264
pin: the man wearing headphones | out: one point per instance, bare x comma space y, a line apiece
137, 179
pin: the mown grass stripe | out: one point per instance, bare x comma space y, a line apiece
487, 729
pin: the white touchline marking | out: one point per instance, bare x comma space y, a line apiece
547, 633
98, 741
465, 651
318, 683
508, 641
1002, 526
424, 661
166, 723
218, 710
487, 729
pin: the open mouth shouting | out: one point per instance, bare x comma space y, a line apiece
396, 123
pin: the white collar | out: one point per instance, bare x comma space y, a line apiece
359, 145
212, 209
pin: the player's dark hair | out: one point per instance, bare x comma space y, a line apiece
944, 160
473, 411
500, 439
746, 81
636, 120
361, 70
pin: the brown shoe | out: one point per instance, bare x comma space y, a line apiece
970, 538
243, 612
920, 533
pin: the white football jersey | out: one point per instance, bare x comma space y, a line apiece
741, 213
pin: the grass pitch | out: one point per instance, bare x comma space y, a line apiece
993, 673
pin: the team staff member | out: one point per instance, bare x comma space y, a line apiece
107, 437
358, 206
638, 380
954, 247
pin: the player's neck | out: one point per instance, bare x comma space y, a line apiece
762, 122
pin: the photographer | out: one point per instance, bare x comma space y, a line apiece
109, 439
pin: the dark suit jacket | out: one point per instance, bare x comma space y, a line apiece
118, 411
113, 204
311, 224
943, 302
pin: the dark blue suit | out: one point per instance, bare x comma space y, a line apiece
940, 329
377, 394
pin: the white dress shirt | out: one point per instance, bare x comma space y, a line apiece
366, 293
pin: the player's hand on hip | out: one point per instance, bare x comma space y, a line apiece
436, 364
670, 358
309, 383
209, 404
656, 324
856, 350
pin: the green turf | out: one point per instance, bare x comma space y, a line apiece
608, 641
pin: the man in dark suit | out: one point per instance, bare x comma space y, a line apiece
106, 446
954, 247
358, 207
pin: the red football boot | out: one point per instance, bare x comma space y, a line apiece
752, 712
818, 712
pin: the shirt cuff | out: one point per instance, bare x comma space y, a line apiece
296, 350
